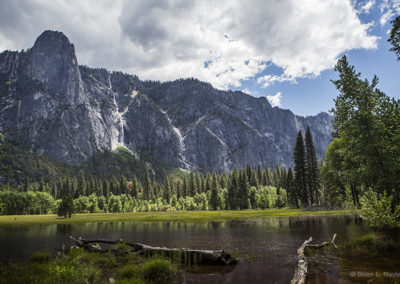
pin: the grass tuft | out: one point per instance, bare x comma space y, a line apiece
158, 269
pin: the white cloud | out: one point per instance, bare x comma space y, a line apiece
275, 100
165, 40
389, 9
249, 92
268, 80
363, 6
367, 6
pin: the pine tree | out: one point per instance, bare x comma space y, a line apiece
99, 188
249, 172
243, 195
134, 192
214, 202
259, 175
233, 189
394, 38
208, 184
185, 189
253, 179
92, 186
81, 191
268, 179
192, 185
123, 186
312, 172
106, 189
299, 170
147, 186
223, 181
291, 192
167, 190
179, 190
199, 184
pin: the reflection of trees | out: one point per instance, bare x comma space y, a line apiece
64, 228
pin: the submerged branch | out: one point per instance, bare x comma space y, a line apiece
212, 257
300, 274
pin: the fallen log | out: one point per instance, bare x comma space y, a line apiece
300, 274
186, 256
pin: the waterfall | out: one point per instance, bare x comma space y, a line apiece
121, 135
181, 142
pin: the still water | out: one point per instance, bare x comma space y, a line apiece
266, 247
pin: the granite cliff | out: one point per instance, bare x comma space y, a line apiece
69, 112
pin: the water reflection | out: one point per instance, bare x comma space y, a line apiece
272, 242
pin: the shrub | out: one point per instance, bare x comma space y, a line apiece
377, 210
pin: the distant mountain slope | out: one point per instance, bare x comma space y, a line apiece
69, 112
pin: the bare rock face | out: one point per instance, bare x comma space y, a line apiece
68, 112
45, 103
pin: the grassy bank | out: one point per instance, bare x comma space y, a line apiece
184, 216
79, 266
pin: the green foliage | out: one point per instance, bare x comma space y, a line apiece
370, 245
18, 203
349, 201
394, 38
311, 167
335, 174
377, 210
367, 123
18, 164
147, 186
66, 207
300, 181
214, 198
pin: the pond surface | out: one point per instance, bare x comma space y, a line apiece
266, 247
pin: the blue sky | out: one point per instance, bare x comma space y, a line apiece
309, 96
282, 49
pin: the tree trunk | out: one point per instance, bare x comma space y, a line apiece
211, 257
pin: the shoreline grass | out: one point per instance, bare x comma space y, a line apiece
182, 216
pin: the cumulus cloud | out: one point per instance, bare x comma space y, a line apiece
275, 100
222, 42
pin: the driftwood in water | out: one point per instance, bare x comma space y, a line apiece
212, 257
300, 275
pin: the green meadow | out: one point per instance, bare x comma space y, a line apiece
182, 216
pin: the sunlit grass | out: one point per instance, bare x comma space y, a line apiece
164, 216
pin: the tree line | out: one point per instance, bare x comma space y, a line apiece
239, 189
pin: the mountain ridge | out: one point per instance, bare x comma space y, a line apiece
69, 111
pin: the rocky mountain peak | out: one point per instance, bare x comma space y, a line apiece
52, 41
52, 61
